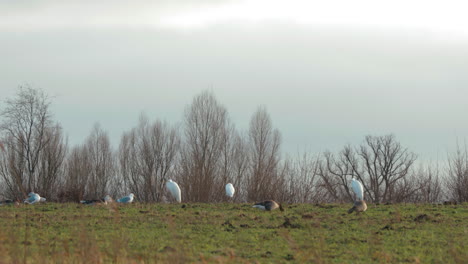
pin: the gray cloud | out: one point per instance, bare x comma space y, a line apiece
324, 88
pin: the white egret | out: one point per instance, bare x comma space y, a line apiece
268, 205
33, 198
359, 205
126, 199
174, 189
230, 190
358, 189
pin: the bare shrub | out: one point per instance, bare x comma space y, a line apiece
427, 185
51, 163
380, 163
457, 174
302, 180
77, 171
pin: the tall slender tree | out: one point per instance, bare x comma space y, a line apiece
206, 126
33, 144
265, 141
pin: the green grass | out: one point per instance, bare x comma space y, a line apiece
232, 233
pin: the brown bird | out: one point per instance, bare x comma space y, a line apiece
359, 206
268, 205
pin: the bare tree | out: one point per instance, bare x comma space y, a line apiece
51, 163
264, 180
77, 170
206, 127
457, 174
33, 145
101, 162
380, 163
147, 156
239, 167
336, 172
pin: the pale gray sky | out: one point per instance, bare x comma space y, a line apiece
328, 73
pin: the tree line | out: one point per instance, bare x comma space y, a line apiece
203, 153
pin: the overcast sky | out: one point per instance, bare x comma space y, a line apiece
328, 73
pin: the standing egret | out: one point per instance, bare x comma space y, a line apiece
230, 190
268, 205
126, 199
359, 205
174, 189
33, 198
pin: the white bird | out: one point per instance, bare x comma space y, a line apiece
230, 190
174, 189
359, 205
42, 200
126, 199
268, 205
358, 189
33, 198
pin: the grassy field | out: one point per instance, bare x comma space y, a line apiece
232, 233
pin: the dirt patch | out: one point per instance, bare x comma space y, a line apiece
168, 249
287, 224
324, 206
450, 203
387, 227
307, 216
421, 218
228, 226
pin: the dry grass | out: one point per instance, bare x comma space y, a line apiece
232, 233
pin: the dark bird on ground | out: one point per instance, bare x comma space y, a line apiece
7, 201
106, 200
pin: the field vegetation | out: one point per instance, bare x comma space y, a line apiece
232, 233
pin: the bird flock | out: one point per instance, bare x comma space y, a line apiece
174, 189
